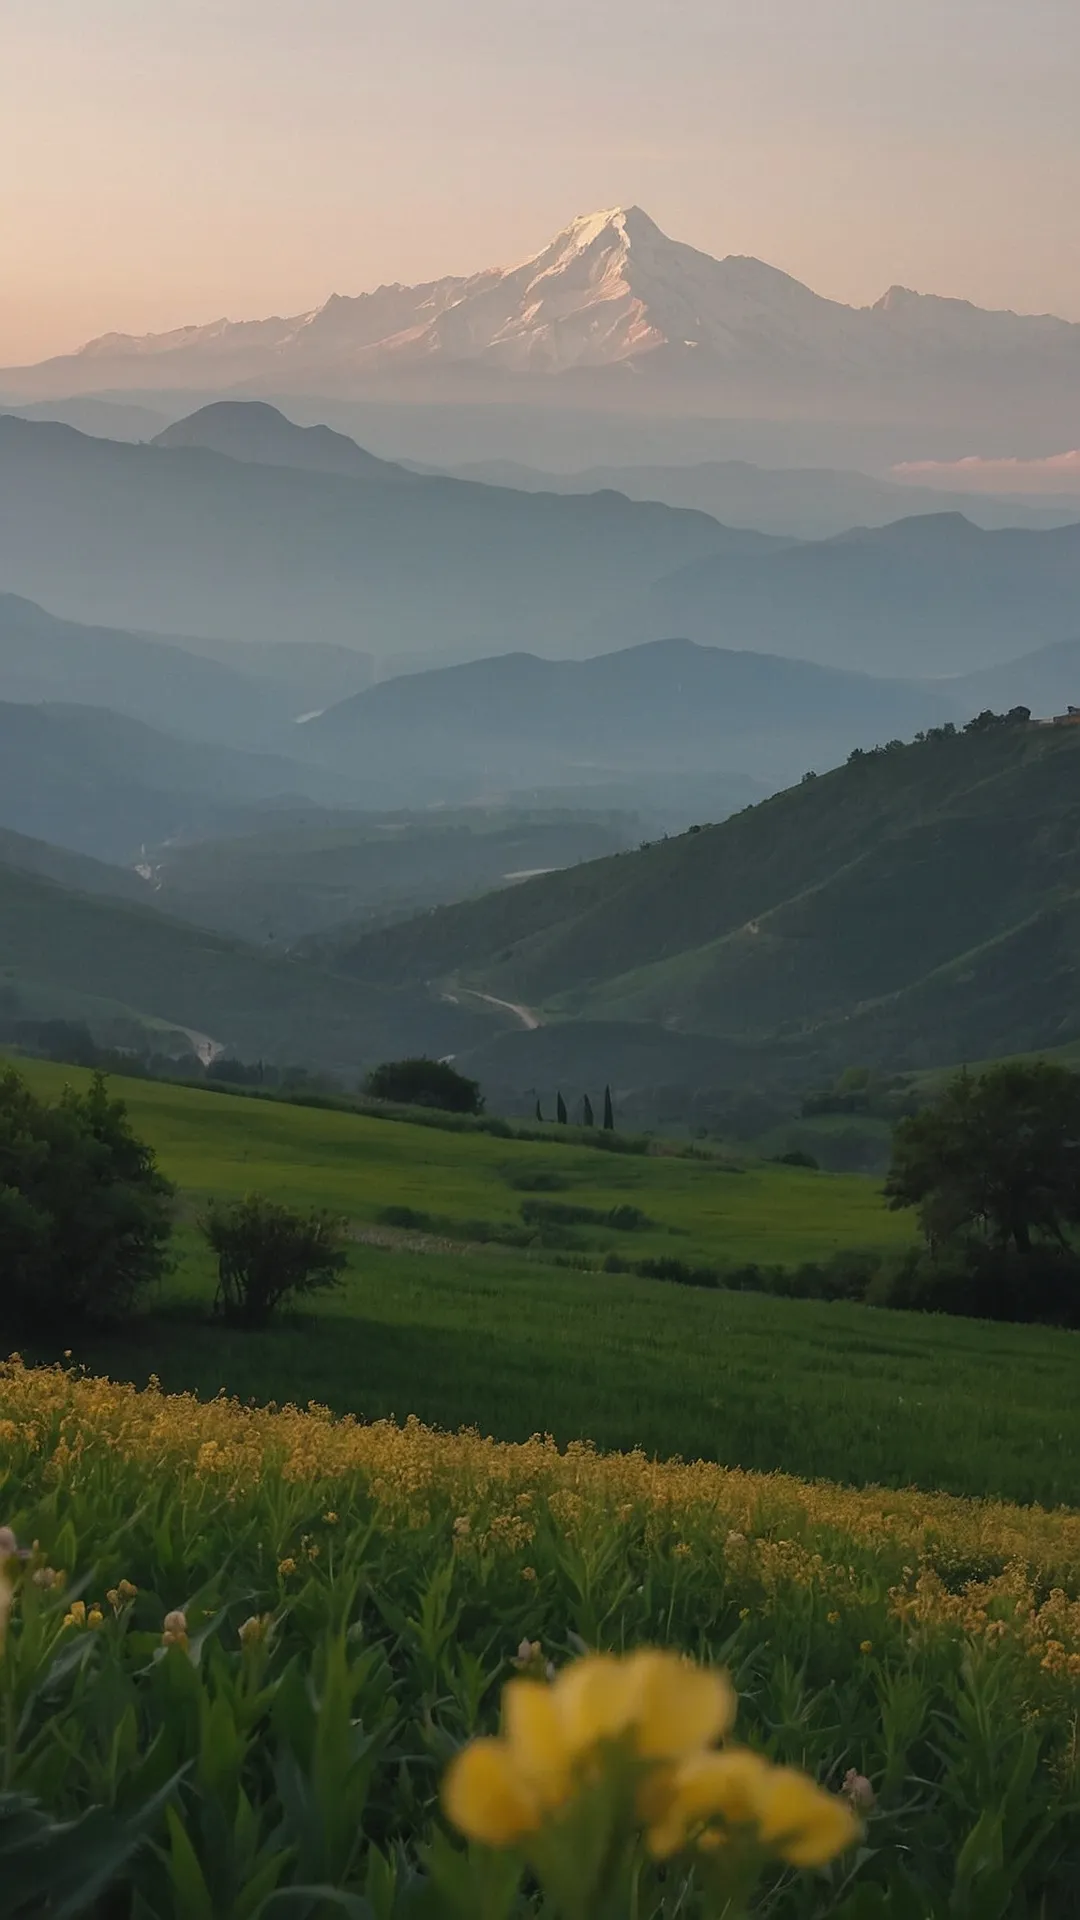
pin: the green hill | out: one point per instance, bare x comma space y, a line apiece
919, 904
308, 871
63, 952
505, 1340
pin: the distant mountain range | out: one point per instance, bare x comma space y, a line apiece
517, 721
804, 503
914, 907
189, 540
622, 315
112, 741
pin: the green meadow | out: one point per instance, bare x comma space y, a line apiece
504, 1338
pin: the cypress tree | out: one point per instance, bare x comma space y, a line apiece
587, 1112
539, 1115
560, 1109
609, 1112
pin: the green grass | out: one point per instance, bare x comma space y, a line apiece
211, 1143
513, 1345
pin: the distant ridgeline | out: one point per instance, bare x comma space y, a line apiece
917, 906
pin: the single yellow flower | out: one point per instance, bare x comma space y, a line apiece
680, 1803
866, 1646
76, 1614
485, 1797
805, 1824
95, 1617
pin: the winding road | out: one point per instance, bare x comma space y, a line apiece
529, 1020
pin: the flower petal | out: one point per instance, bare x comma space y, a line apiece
680, 1708
805, 1824
596, 1700
484, 1797
677, 1801
534, 1735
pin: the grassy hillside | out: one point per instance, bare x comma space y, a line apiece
105, 784
65, 944
491, 1337
69, 869
893, 909
309, 871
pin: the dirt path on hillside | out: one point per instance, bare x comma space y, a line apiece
529, 1020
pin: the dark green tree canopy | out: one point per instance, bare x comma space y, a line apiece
85, 1214
422, 1082
996, 1157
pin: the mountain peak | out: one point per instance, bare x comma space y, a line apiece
609, 291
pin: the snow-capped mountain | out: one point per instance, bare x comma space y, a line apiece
610, 300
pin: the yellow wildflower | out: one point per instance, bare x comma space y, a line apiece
806, 1825
95, 1617
528, 1573
657, 1703
866, 1646
76, 1614
286, 1566
126, 1590
330, 1519
255, 1629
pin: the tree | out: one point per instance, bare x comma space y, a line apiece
587, 1116
421, 1082
85, 1213
560, 1109
267, 1253
995, 1159
609, 1112
539, 1114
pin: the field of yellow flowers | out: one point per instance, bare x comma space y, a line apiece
246, 1647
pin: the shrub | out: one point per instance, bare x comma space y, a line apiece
85, 1214
421, 1082
268, 1253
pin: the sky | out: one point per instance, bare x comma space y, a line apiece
172, 161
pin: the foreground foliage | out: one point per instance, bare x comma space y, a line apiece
292, 1624
85, 1214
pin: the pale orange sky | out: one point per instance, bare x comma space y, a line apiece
168, 161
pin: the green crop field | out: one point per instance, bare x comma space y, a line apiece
504, 1339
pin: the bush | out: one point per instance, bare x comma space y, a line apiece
421, 1082
85, 1214
268, 1253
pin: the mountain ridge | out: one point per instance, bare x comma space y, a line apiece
895, 911
610, 296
